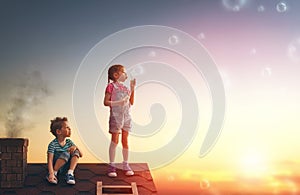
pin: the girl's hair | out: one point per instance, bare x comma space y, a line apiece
113, 69
57, 124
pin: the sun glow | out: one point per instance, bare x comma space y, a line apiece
254, 164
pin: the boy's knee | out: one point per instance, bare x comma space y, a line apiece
65, 156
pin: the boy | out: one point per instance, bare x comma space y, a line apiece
62, 152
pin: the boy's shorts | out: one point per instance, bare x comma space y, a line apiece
65, 156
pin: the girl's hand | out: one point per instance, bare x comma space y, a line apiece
121, 102
132, 84
125, 101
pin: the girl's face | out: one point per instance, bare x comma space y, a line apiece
122, 75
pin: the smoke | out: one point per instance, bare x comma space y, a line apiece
29, 92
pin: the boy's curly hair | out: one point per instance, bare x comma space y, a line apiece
57, 124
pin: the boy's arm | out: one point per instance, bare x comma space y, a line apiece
80, 153
73, 148
50, 164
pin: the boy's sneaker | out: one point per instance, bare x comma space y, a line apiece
70, 179
112, 171
127, 169
52, 181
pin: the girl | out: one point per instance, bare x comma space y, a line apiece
119, 98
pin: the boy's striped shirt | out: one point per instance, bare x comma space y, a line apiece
55, 147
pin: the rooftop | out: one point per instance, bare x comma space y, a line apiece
87, 175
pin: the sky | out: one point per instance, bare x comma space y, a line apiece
217, 76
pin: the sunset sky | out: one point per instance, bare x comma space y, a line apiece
191, 58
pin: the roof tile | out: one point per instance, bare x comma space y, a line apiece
87, 175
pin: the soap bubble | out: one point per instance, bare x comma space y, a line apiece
171, 178
166, 75
173, 40
152, 54
201, 36
136, 71
267, 71
236, 8
261, 8
294, 50
281, 7
234, 5
253, 51
204, 184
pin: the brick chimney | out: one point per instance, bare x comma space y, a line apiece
13, 162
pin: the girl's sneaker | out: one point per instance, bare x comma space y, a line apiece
112, 171
127, 169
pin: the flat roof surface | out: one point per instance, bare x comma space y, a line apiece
87, 175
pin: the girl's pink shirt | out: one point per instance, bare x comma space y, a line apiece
110, 87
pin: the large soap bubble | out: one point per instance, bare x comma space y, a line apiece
281, 7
